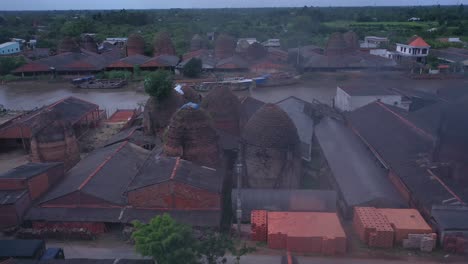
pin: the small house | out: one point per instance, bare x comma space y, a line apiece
349, 98
416, 48
8, 48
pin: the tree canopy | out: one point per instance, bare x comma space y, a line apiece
166, 241
193, 68
158, 84
169, 242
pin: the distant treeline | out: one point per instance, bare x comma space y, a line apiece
294, 26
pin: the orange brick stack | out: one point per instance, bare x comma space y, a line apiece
258, 220
306, 232
405, 222
372, 227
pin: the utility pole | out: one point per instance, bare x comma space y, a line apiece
239, 168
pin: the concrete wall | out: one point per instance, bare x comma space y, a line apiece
173, 195
38, 185
345, 102
12, 214
342, 100
12, 184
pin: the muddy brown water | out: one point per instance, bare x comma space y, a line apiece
28, 95
320, 86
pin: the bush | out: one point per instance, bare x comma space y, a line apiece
193, 68
8, 64
9, 78
158, 84
118, 75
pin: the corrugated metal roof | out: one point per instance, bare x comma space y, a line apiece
403, 146
159, 169
296, 110
28, 170
105, 173
360, 179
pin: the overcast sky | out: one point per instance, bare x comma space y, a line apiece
160, 4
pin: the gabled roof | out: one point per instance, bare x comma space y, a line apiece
361, 181
233, 62
161, 169
28, 170
418, 42
404, 147
70, 109
300, 113
129, 62
32, 67
69, 61
105, 173
161, 61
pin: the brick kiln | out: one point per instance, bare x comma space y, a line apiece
190, 95
163, 45
53, 140
271, 150
158, 112
192, 136
88, 43
336, 45
225, 46
224, 107
135, 45
196, 43
352, 40
68, 44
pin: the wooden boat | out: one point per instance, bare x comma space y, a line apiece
102, 84
233, 84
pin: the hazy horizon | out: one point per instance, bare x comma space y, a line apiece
28, 5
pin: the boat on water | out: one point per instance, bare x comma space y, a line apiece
235, 84
91, 83
272, 80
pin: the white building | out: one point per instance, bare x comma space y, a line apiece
8, 48
350, 98
416, 48
372, 42
272, 43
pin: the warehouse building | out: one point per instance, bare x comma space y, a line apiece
358, 179
20, 186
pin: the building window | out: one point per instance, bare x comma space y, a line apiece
424, 51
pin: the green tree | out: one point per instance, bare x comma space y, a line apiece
8, 64
193, 68
214, 247
165, 240
158, 84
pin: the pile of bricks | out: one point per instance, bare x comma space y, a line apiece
372, 227
382, 228
456, 244
423, 242
258, 220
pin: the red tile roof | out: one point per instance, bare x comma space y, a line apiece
33, 67
418, 42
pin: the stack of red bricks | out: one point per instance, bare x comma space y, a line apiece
258, 220
372, 227
456, 244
